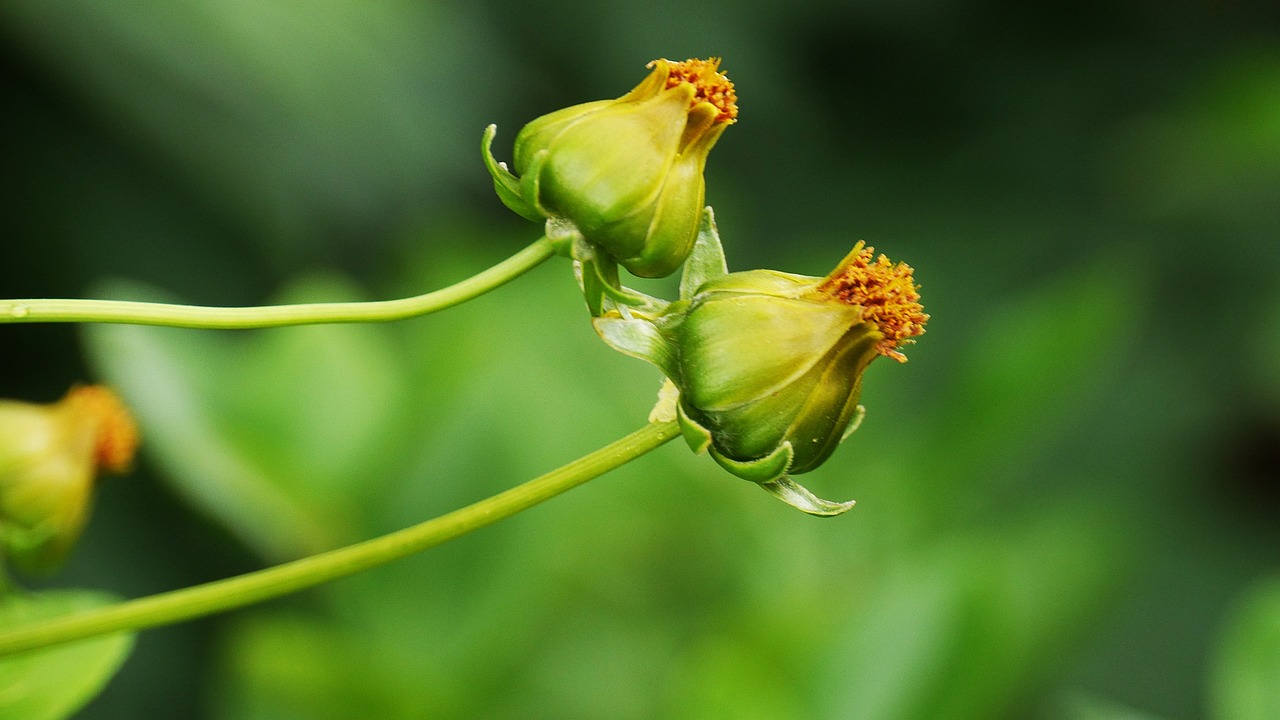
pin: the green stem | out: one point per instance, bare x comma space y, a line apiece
242, 590
229, 318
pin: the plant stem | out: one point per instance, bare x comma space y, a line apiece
232, 318
242, 590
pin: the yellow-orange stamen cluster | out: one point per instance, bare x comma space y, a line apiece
117, 434
712, 85
886, 294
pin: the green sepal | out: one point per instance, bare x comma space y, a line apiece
825, 417
531, 185
597, 275
798, 496
695, 435
706, 261
595, 283
540, 133
607, 270
859, 414
762, 469
505, 183
636, 337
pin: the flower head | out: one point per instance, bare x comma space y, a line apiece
769, 365
626, 173
50, 456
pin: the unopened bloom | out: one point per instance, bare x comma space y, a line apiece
50, 457
627, 173
769, 365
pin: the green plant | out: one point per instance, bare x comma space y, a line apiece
617, 183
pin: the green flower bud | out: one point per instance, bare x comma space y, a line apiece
627, 173
769, 365
50, 456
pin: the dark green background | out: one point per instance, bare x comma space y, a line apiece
1064, 498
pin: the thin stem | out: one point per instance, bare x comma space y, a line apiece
242, 590
231, 318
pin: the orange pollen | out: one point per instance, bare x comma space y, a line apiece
117, 433
886, 294
712, 85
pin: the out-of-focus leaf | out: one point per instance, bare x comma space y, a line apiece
293, 666
280, 433
1091, 708
961, 629
56, 682
1246, 676
317, 406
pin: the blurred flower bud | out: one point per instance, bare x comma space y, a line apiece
627, 172
50, 456
770, 364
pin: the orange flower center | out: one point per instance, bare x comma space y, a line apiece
712, 86
886, 294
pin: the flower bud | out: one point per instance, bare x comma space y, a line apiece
770, 364
627, 172
50, 456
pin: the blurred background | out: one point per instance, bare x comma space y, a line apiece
1068, 497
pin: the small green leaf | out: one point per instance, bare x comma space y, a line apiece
58, 681
1015, 596
707, 259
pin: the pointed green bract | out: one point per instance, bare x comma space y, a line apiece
505, 183
798, 496
706, 261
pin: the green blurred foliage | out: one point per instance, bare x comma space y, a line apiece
1249, 660
1066, 497
55, 683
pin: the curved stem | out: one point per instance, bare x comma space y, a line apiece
242, 590
230, 318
